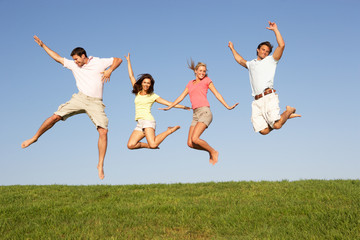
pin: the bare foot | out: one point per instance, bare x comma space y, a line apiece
28, 142
173, 129
294, 115
101, 172
214, 158
290, 109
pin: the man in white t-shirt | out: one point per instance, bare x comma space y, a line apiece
90, 74
265, 108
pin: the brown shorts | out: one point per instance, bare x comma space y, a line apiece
202, 114
81, 103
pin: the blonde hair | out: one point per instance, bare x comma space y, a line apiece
193, 67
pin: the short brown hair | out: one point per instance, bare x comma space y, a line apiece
78, 51
267, 43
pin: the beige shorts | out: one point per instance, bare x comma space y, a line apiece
202, 114
142, 123
80, 103
265, 112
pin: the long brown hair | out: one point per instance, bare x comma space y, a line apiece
137, 86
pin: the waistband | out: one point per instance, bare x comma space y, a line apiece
266, 92
200, 108
88, 97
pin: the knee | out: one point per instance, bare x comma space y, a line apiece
264, 132
195, 140
131, 146
276, 126
55, 118
102, 132
190, 144
153, 145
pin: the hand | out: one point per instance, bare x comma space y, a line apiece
231, 45
106, 75
272, 26
165, 109
127, 57
187, 108
233, 106
38, 41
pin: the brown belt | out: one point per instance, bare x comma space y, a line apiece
266, 92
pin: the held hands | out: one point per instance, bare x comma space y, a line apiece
272, 26
165, 109
168, 108
38, 41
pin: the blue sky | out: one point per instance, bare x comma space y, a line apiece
318, 74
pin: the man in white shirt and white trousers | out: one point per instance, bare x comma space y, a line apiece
265, 108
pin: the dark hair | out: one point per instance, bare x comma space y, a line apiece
267, 43
78, 51
137, 86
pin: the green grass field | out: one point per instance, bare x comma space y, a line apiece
309, 209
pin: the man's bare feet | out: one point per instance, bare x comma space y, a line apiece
214, 158
292, 110
294, 115
173, 129
28, 142
101, 172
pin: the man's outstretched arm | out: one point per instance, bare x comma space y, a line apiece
281, 44
107, 73
237, 56
51, 53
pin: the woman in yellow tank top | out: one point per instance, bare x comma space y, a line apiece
143, 88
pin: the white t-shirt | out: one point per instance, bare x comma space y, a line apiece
261, 73
88, 77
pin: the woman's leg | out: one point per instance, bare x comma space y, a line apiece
195, 142
134, 140
154, 141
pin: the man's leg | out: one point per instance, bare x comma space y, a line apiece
102, 145
47, 124
266, 131
287, 114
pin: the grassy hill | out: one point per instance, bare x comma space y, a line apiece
309, 209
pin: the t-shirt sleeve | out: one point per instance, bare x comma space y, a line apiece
69, 64
273, 60
208, 81
248, 64
187, 85
106, 62
154, 96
